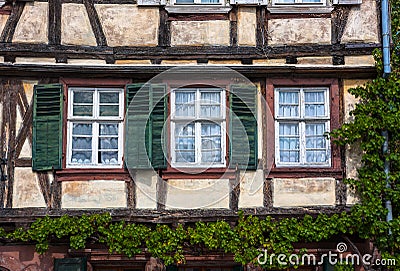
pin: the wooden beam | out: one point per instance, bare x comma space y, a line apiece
164, 29
161, 194
25, 131
95, 23
11, 24
12, 89
261, 28
3, 136
233, 33
183, 52
234, 191
54, 31
131, 190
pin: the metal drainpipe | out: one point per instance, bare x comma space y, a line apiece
386, 38
386, 72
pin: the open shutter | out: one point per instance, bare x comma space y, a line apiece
47, 127
70, 264
144, 139
243, 126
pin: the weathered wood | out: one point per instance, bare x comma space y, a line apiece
12, 89
11, 24
164, 29
54, 32
3, 138
23, 162
95, 23
234, 188
261, 28
131, 191
268, 192
233, 32
184, 52
198, 17
166, 216
44, 184
55, 192
339, 20
161, 194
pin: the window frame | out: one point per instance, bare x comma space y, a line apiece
197, 119
198, 3
302, 120
95, 120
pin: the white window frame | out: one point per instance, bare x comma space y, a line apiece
197, 119
301, 119
277, 3
95, 120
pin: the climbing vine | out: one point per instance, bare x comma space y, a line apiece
378, 110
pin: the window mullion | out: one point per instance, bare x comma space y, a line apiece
302, 132
197, 142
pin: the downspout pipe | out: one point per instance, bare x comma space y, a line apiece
386, 72
386, 38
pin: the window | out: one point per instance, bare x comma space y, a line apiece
95, 127
302, 119
198, 127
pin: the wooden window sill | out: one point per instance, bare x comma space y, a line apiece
92, 174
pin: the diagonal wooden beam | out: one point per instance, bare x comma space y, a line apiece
11, 24
25, 131
95, 23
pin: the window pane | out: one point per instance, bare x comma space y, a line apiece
108, 157
83, 110
211, 142
314, 103
81, 143
289, 142
83, 97
81, 129
288, 104
109, 110
185, 142
210, 104
81, 157
108, 143
184, 104
109, 97
108, 129
184, 1
209, 1
315, 143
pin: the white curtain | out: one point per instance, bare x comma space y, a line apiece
210, 104
81, 143
289, 142
185, 104
314, 104
315, 143
288, 104
185, 142
211, 142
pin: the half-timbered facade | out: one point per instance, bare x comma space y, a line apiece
133, 106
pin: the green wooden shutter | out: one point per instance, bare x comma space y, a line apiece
144, 138
70, 264
47, 127
243, 126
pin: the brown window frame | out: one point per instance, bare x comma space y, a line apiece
82, 174
335, 170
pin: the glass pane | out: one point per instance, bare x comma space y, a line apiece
81, 129
314, 103
109, 110
211, 156
185, 142
82, 110
286, 143
288, 104
184, 1
108, 143
81, 157
288, 129
184, 104
316, 156
109, 97
210, 104
289, 156
83, 97
81, 143
209, 1
108, 157
108, 129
